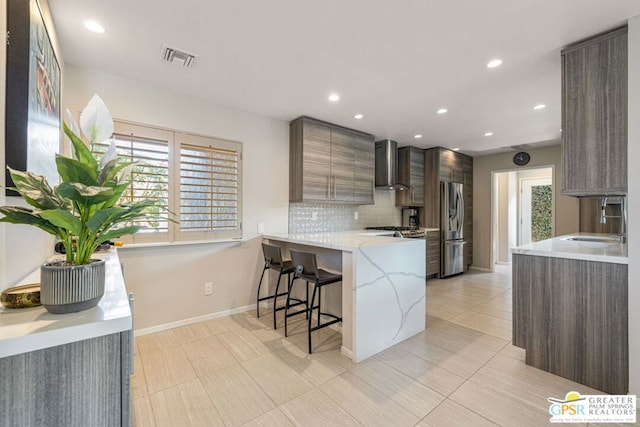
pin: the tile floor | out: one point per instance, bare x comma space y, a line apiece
461, 371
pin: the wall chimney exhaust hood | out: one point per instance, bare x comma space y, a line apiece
387, 165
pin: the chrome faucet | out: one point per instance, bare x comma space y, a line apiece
623, 217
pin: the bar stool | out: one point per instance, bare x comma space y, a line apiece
273, 260
306, 268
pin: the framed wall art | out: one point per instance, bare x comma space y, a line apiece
32, 129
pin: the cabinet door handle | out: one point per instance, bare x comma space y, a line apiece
328, 187
335, 190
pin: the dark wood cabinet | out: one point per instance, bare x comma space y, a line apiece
433, 253
447, 165
329, 163
571, 317
411, 174
594, 116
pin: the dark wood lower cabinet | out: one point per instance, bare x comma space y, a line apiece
571, 317
84, 383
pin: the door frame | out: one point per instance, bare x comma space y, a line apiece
521, 184
494, 202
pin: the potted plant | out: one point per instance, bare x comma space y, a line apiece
83, 211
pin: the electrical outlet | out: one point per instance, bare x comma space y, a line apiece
355, 215
314, 216
261, 228
208, 288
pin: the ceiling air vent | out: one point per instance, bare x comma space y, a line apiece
178, 57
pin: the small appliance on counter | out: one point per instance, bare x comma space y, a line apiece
410, 217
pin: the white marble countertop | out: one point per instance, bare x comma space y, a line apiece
29, 329
561, 247
342, 240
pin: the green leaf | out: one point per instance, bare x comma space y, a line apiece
118, 232
104, 218
35, 190
63, 219
83, 194
18, 215
109, 173
80, 151
72, 170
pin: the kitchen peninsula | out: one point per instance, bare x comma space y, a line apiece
383, 290
570, 308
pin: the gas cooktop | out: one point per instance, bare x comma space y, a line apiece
407, 232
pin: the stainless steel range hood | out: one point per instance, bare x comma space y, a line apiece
387, 165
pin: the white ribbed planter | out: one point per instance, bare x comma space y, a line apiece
71, 288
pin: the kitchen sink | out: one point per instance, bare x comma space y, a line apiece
593, 239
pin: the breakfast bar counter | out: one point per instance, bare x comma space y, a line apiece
383, 288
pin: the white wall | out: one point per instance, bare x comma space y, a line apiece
634, 205
22, 248
168, 282
566, 208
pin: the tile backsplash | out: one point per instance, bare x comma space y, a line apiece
327, 217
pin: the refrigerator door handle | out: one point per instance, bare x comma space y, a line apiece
455, 242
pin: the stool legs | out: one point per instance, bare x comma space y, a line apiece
313, 299
258, 296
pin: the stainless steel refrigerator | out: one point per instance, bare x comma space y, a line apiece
452, 228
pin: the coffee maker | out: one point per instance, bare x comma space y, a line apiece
410, 217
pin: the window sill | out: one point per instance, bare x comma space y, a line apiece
173, 244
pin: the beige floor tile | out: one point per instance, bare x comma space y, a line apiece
208, 355
316, 409
316, 368
491, 310
272, 339
158, 341
420, 346
508, 372
450, 414
433, 320
465, 342
427, 373
166, 368
366, 404
220, 325
236, 396
277, 379
505, 407
513, 352
185, 405
243, 344
138, 380
273, 418
142, 413
193, 332
249, 321
411, 395
486, 324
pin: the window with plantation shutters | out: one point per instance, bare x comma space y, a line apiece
209, 188
194, 179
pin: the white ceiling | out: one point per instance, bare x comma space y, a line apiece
395, 61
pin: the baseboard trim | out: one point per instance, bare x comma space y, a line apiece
476, 268
346, 352
184, 322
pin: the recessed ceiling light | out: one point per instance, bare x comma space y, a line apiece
94, 26
442, 111
334, 97
494, 63
417, 136
358, 116
539, 107
488, 134
456, 149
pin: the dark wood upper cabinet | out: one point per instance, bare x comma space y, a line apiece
330, 163
411, 174
594, 116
